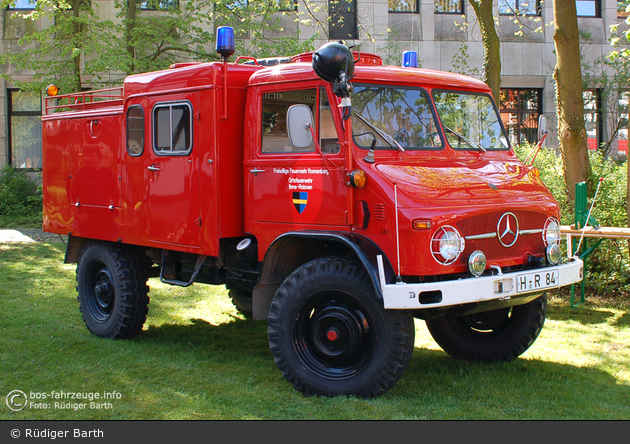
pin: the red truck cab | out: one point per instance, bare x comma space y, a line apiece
334, 196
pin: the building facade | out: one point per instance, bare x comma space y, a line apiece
444, 33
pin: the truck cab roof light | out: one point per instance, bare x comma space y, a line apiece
410, 59
226, 43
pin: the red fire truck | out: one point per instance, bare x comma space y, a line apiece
333, 196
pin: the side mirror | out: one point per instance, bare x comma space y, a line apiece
299, 124
542, 130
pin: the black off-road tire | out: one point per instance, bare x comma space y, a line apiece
113, 295
497, 335
330, 334
242, 301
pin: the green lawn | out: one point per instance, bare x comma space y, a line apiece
199, 359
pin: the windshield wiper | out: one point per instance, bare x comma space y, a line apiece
460, 137
389, 139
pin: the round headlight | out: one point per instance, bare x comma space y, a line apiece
477, 263
553, 254
446, 245
551, 232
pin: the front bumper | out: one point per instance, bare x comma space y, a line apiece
499, 286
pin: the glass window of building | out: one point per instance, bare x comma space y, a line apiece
159, 5
588, 8
520, 109
592, 118
23, 4
449, 6
622, 12
403, 5
513, 7
25, 129
622, 135
343, 20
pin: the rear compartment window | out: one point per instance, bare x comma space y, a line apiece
135, 130
172, 128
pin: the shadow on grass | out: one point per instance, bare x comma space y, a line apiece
463, 389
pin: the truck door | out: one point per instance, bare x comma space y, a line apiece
291, 185
174, 215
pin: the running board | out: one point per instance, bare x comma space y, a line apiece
200, 261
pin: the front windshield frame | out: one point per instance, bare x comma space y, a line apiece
436, 133
467, 146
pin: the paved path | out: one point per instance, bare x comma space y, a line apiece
28, 235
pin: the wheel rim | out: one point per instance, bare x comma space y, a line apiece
100, 294
333, 337
485, 324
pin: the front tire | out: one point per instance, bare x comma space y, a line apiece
330, 335
113, 295
497, 335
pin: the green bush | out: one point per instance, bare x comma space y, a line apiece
20, 199
608, 267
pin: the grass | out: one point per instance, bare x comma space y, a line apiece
199, 359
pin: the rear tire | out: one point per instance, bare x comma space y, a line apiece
330, 334
497, 335
113, 295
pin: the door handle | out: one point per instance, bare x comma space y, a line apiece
256, 171
153, 168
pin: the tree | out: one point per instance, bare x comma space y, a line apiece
569, 99
59, 53
491, 45
148, 42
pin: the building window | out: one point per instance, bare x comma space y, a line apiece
521, 7
622, 13
403, 5
24, 5
588, 8
343, 20
287, 5
520, 109
622, 135
592, 118
25, 129
159, 5
449, 6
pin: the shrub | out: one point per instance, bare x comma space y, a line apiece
20, 199
608, 267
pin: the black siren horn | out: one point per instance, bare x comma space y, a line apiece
331, 60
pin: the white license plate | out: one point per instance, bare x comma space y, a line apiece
536, 281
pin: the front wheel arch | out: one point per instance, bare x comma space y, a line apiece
292, 250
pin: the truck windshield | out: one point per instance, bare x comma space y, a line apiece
470, 121
395, 117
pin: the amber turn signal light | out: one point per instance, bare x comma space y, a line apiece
421, 224
52, 90
358, 178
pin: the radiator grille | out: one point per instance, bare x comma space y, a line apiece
527, 243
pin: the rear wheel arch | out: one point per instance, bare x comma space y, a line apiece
292, 250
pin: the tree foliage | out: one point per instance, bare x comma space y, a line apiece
75, 49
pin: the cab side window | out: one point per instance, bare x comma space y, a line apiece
172, 128
275, 136
328, 139
135, 130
